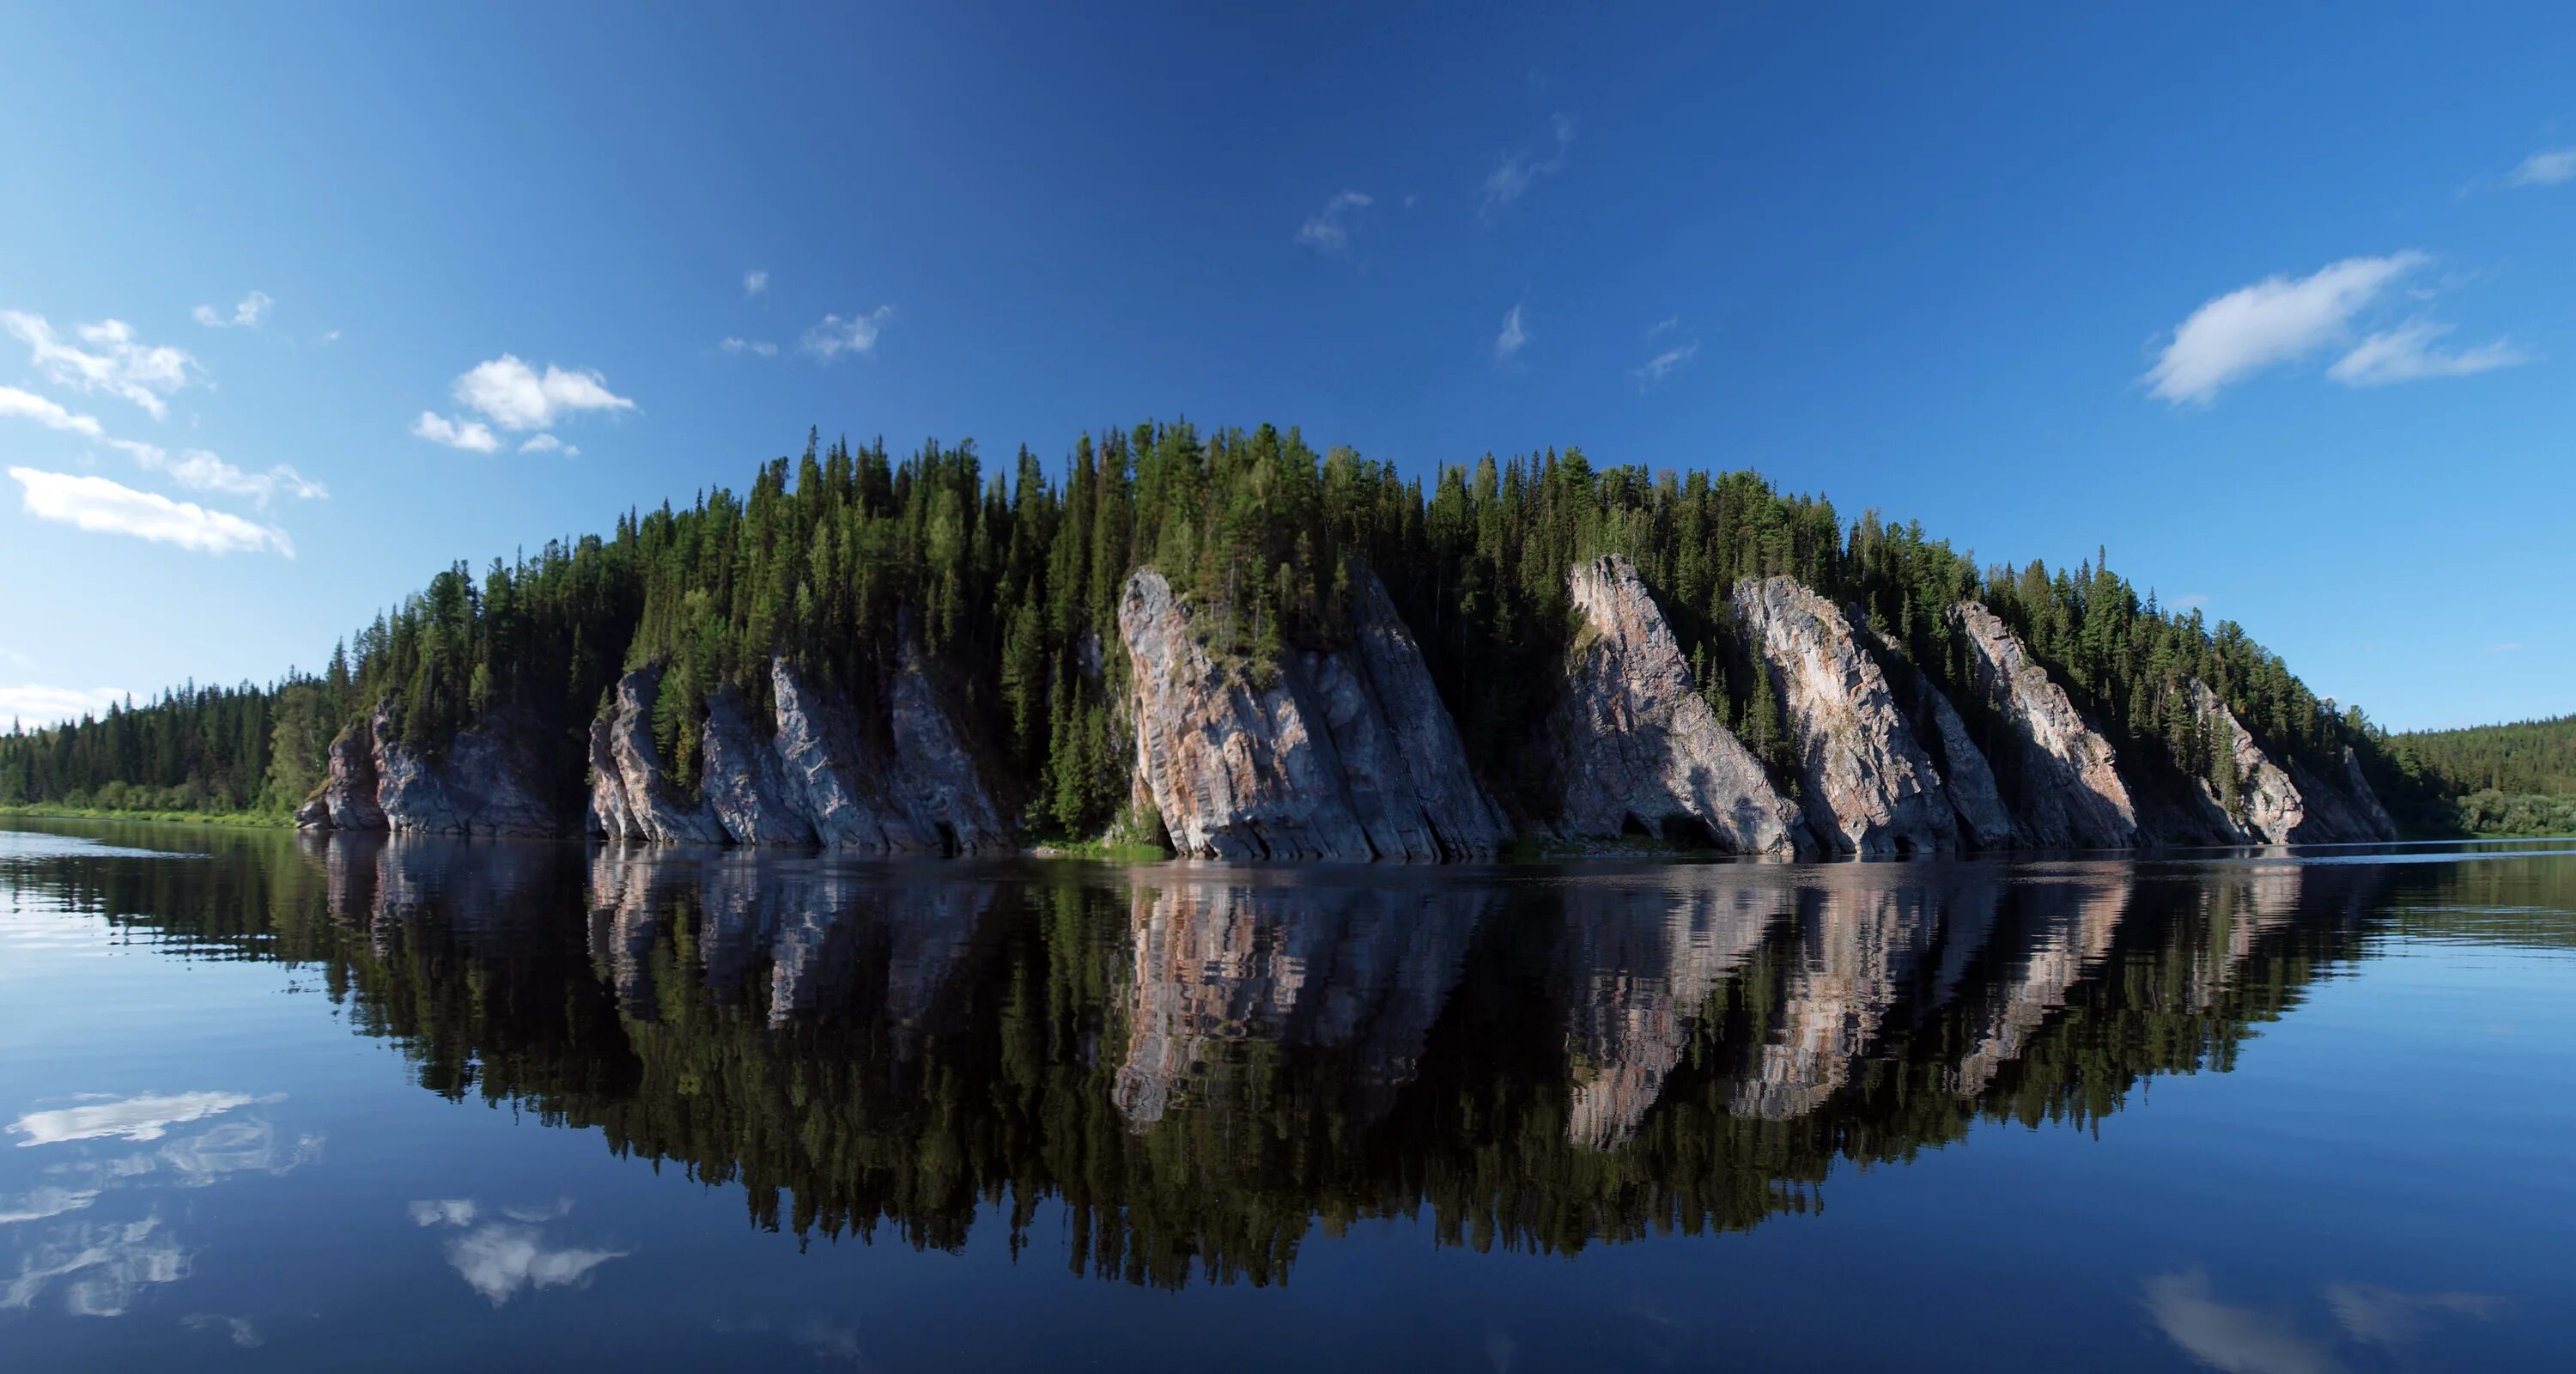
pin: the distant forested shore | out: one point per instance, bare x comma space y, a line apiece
856, 567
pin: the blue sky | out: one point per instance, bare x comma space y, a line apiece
2274, 302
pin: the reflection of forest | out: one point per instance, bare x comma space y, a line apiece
1200, 1066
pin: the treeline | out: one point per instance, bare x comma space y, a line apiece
199, 749
2535, 757
1006, 584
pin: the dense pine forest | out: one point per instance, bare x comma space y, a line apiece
848, 559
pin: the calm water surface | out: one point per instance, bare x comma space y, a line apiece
289, 1103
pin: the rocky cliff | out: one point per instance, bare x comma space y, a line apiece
815, 777
485, 784
2340, 810
1346, 754
1635, 744
1868, 786
2268, 807
2059, 773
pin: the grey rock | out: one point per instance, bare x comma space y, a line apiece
2340, 810
483, 785
1633, 740
1868, 786
1347, 755
746, 782
2068, 791
631, 795
2269, 807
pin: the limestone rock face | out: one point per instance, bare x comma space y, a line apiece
816, 779
746, 783
1403, 763
2340, 810
1868, 786
1984, 820
1342, 755
2269, 807
484, 785
1634, 741
934, 781
346, 800
817, 747
2067, 790
631, 796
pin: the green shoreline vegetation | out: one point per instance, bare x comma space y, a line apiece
848, 560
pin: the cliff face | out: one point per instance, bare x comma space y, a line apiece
1868, 786
2340, 810
815, 779
2269, 807
2066, 790
1636, 744
1344, 755
631, 794
483, 786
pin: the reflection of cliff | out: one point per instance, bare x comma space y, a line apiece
1859, 940
1360, 970
799, 938
1642, 960
2065, 931
1195, 1071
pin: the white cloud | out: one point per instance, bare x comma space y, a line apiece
2274, 321
133, 1118
1664, 364
2405, 354
761, 347
27, 405
331, 336
198, 470
438, 429
513, 395
33, 704
755, 281
112, 361
856, 334
1516, 172
245, 314
101, 506
547, 443
1324, 229
2546, 169
2510, 646
1514, 335
1666, 325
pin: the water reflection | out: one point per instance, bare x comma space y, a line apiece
1201, 1066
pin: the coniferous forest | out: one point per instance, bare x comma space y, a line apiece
847, 557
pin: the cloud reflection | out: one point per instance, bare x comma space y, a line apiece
501, 1259
100, 1267
132, 1118
2243, 1341
2386, 1317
